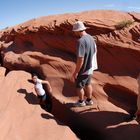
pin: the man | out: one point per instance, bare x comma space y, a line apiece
44, 100
86, 63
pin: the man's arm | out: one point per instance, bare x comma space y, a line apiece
79, 64
48, 85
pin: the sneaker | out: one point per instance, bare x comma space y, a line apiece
89, 102
134, 117
80, 104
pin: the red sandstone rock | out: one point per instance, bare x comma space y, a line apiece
21, 116
44, 44
2, 71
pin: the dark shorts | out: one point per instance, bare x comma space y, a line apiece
83, 80
42, 98
45, 102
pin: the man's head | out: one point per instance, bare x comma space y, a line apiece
34, 78
78, 28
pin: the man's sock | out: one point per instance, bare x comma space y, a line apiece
80, 101
88, 99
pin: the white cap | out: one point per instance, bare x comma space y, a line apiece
78, 26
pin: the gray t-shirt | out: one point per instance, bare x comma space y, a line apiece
87, 48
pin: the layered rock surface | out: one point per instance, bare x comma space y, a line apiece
21, 116
46, 45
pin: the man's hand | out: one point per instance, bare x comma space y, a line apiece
79, 64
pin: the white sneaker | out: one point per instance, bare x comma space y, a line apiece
89, 102
79, 104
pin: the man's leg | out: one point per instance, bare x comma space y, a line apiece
80, 90
80, 93
88, 91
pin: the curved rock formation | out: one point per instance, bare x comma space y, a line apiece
21, 116
47, 45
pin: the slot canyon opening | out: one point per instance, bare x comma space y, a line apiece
68, 117
79, 126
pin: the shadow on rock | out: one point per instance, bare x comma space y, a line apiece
30, 97
127, 131
47, 116
112, 125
